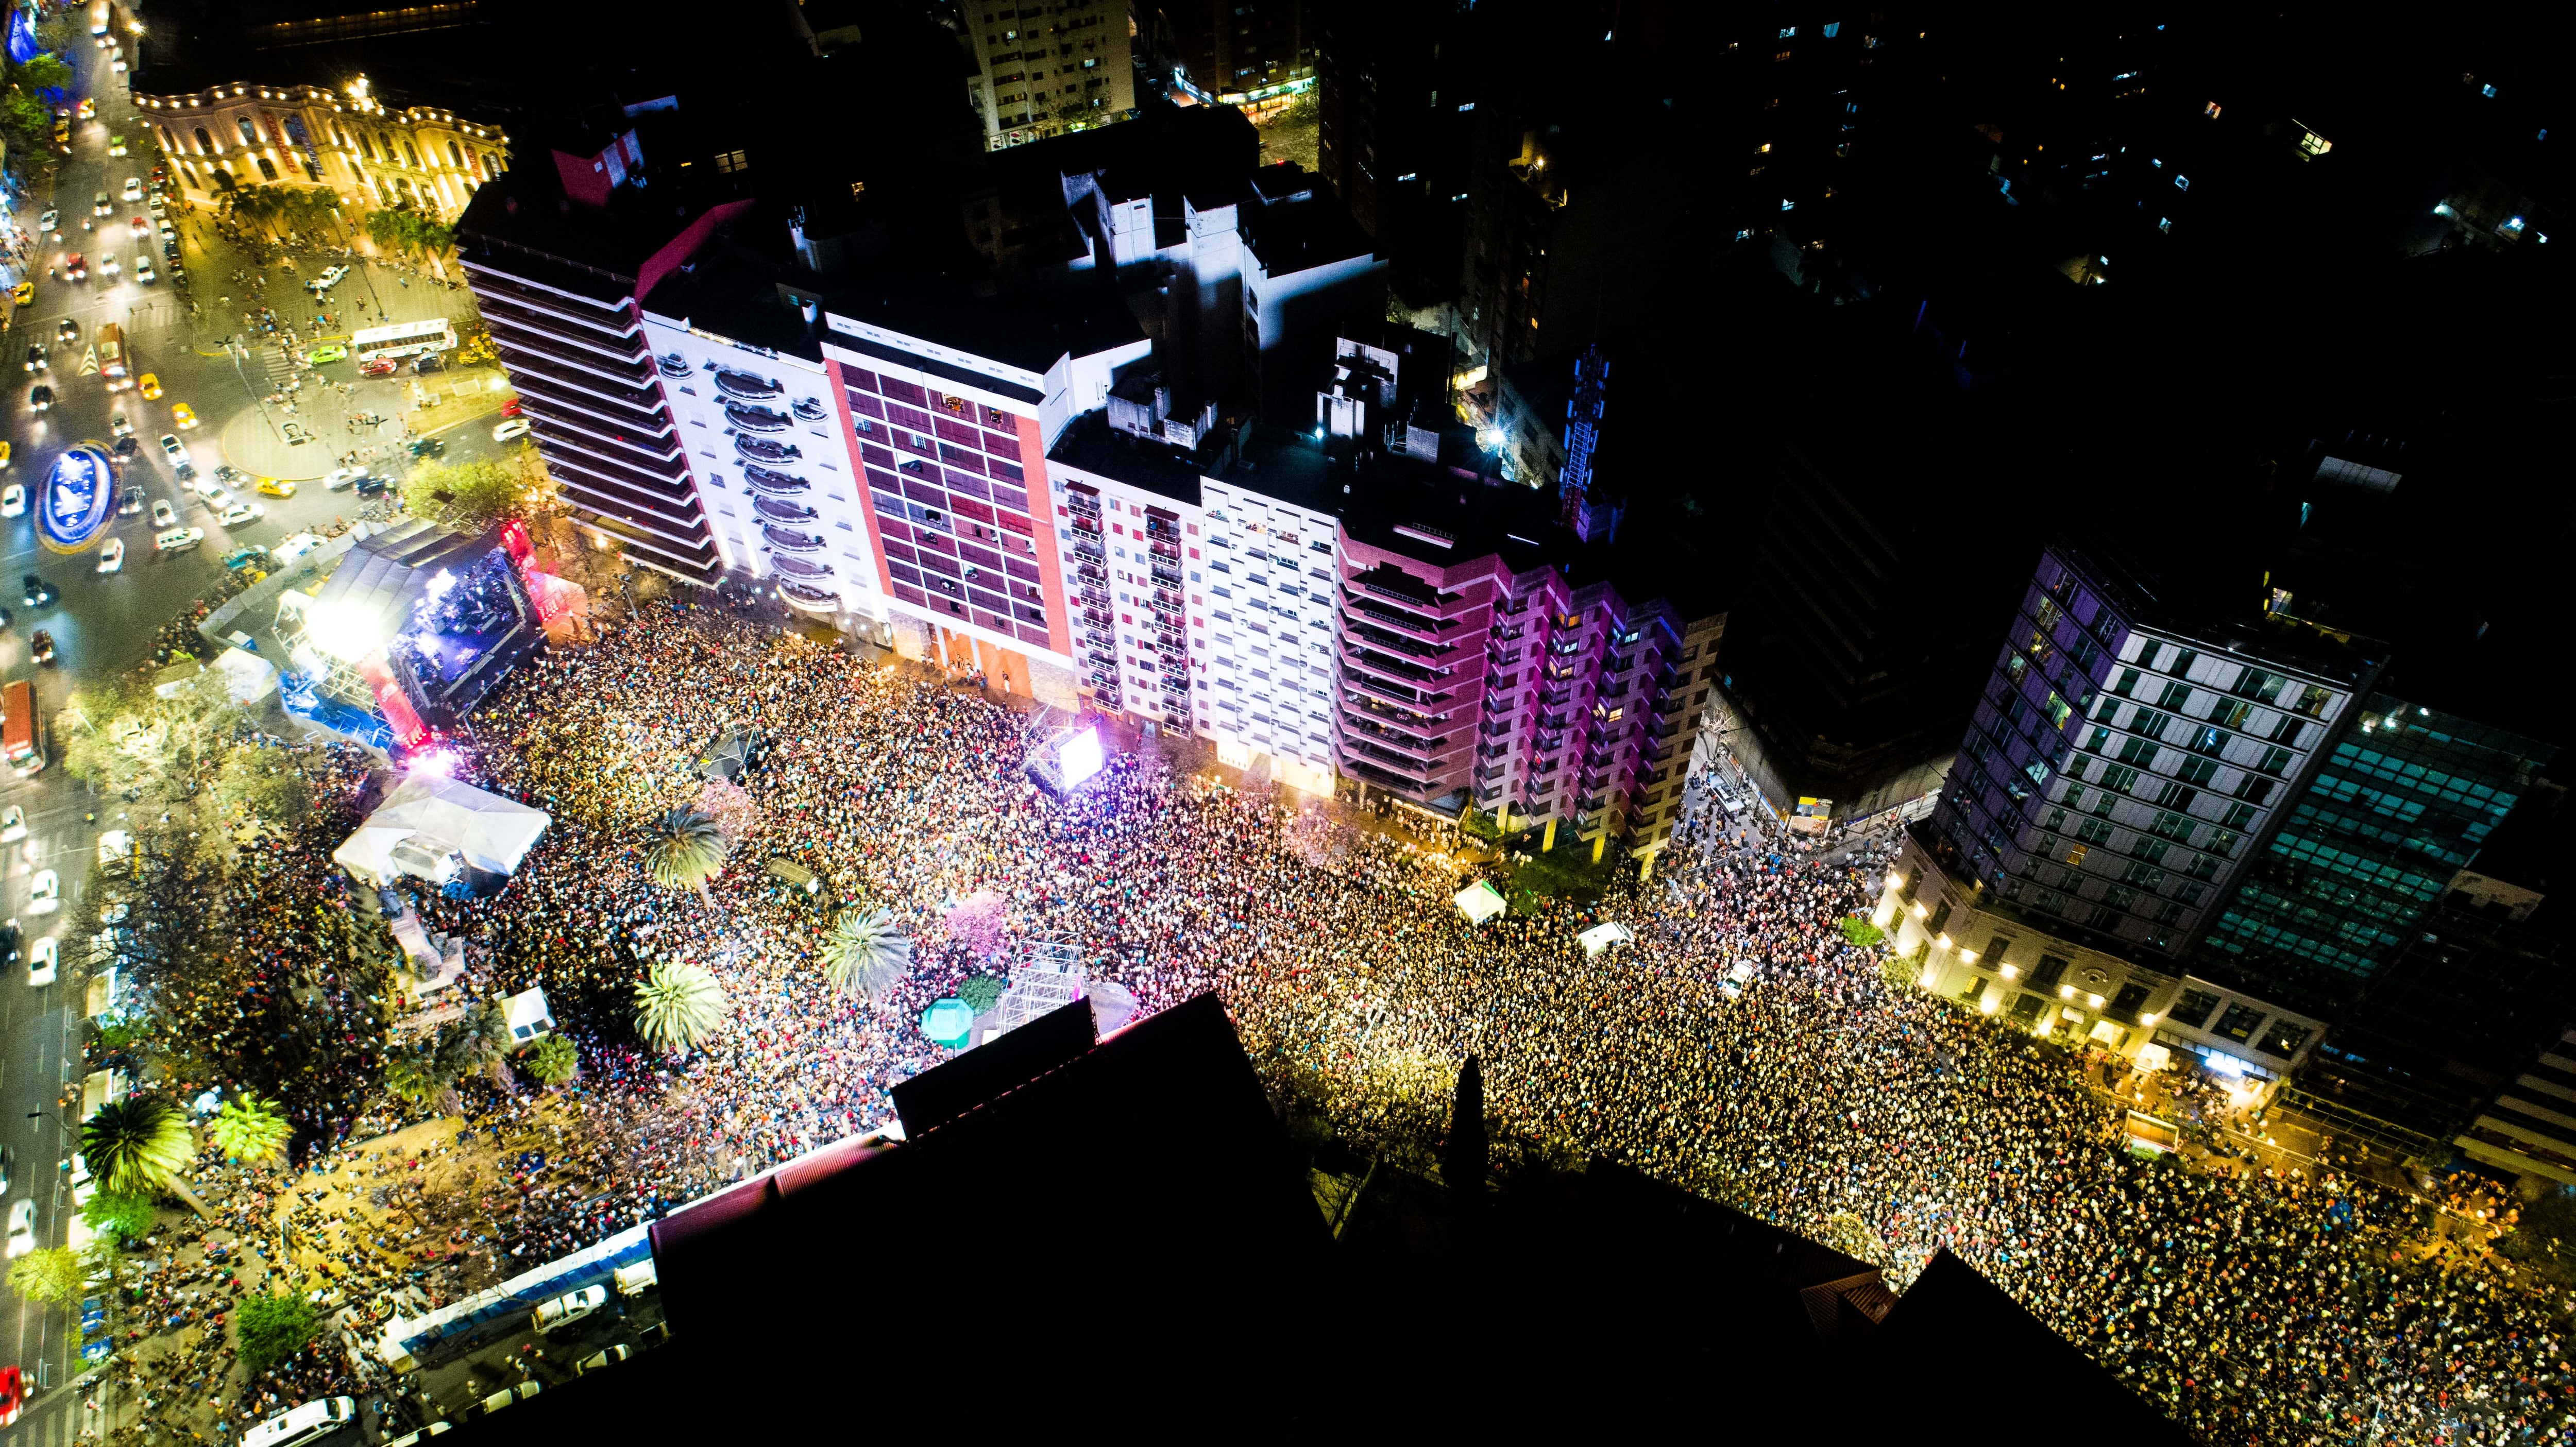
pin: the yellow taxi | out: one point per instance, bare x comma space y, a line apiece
181, 416
4, 454
276, 487
24, 293
150, 386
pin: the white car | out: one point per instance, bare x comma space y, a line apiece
175, 450
40, 962
45, 895
111, 556
239, 513
215, 493
598, 1359
515, 427
293, 548
13, 501
22, 1228
340, 478
13, 824
164, 515
329, 278
133, 188
179, 540
143, 271
571, 1307
107, 265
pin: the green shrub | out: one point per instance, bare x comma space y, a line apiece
981, 993
1862, 933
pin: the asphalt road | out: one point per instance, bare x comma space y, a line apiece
104, 623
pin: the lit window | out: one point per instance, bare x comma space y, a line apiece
1833, 28
1788, 30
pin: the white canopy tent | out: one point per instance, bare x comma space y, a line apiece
247, 676
1602, 936
430, 824
1480, 902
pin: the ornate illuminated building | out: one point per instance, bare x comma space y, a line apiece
369, 153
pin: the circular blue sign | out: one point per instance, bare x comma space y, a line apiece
76, 499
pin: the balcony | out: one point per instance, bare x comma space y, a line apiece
762, 449
559, 311
771, 509
626, 386
561, 338
776, 484
793, 542
485, 280
651, 488
1385, 638
803, 567
809, 409
809, 598
755, 419
1392, 667
746, 386
590, 434
588, 413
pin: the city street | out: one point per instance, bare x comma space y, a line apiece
105, 623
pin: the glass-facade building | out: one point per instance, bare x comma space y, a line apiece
2402, 803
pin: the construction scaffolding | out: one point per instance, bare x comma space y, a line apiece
1048, 977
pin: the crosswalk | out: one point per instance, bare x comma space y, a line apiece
277, 366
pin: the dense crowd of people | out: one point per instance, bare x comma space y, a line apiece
1742, 1046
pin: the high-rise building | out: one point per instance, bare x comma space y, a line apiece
1248, 53
1386, 141
1046, 70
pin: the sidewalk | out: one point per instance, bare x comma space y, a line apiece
255, 439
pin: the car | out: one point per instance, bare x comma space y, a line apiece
276, 487
116, 63
13, 1396
107, 265
380, 367
339, 478
75, 268
67, 332
130, 501
150, 387
36, 591
515, 427
45, 893
111, 555
510, 408
329, 278
40, 398
103, 206
4, 453
426, 447
598, 1359
125, 448
36, 359
213, 491
51, 219
169, 247
13, 501
24, 293
116, 144
164, 515
294, 547
156, 205
327, 352
40, 646
22, 1214
13, 824
140, 227
133, 188
143, 271
88, 108
117, 425
429, 362
42, 957
175, 450
568, 1308
178, 540
373, 486
240, 513
180, 416
414, 1439
489, 1405
240, 558
310, 1422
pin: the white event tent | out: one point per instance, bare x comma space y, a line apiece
431, 824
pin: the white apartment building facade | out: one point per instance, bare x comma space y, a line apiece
1047, 69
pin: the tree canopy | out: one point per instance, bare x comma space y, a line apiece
677, 1005
864, 955
467, 496
122, 736
272, 1327
252, 1129
49, 1274
138, 1145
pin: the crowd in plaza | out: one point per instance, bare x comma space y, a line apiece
1742, 1046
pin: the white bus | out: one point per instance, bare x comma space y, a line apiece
403, 339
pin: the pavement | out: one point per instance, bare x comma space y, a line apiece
336, 412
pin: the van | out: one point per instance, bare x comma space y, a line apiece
637, 1279
308, 1423
571, 1307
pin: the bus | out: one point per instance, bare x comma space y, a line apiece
22, 732
111, 357
403, 339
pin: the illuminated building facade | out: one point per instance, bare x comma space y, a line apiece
1046, 70
369, 154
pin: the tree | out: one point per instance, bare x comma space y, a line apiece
864, 955
117, 1215
688, 849
981, 993
49, 1274
272, 1327
1861, 932
252, 1129
677, 1005
552, 1060
414, 1077
45, 72
138, 1145
262, 782
467, 496
124, 737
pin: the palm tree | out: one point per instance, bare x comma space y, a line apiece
413, 1077
864, 956
140, 1144
553, 1060
252, 1129
687, 849
677, 1005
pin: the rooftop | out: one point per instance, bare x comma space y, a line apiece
1094, 446
1029, 328
1301, 230
735, 292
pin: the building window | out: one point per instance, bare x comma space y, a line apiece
249, 136
2284, 1039
411, 157
456, 155
2193, 1008
2239, 1023
267, 168
728, 162
205, 143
